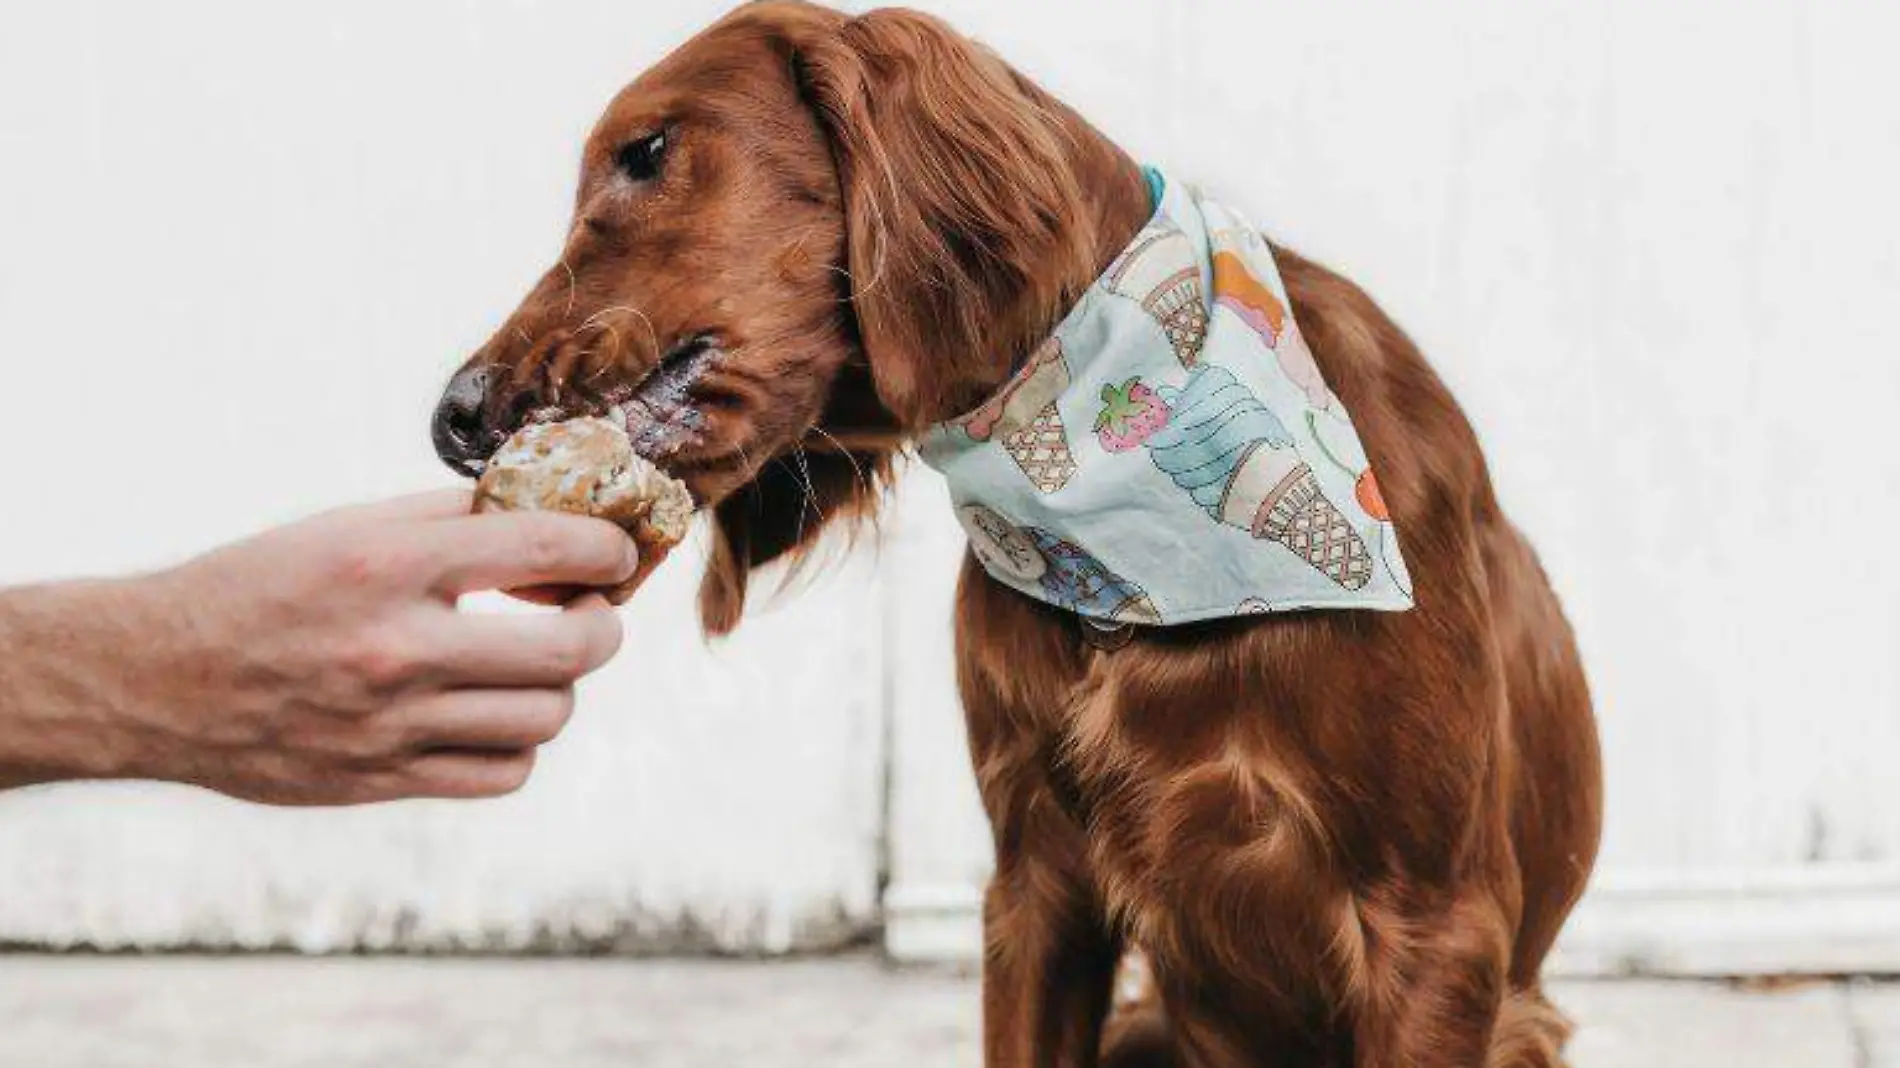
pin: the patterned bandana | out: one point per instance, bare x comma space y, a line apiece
1213, 474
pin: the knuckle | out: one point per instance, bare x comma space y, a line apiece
376, 747
369, 565
384, 661
353, 567
557, 655
571, 656
543, 546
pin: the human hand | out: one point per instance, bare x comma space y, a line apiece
325, 662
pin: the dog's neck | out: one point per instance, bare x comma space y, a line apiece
1117, 202
1124, 200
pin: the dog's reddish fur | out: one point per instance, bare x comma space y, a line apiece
1341, 838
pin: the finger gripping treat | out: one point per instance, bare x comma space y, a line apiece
586, 467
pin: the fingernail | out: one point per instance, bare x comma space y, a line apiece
631, 562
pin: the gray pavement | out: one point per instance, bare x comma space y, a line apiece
280, 1012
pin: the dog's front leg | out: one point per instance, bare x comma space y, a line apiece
1049, 959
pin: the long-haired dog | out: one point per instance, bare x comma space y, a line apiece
1340, 838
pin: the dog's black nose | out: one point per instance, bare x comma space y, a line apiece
460, 429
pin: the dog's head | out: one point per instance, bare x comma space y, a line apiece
797, 240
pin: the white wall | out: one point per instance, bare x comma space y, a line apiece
1650, 244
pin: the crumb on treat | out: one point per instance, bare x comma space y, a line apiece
587, 467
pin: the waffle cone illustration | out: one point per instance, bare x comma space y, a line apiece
1161, 272
1236, 459
1024, 416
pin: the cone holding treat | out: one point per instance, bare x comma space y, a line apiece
1236, 459
1279, 499
1023, 414
1160, 271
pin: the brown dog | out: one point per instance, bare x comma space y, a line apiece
1340, 837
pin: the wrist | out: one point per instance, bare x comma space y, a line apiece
71, 679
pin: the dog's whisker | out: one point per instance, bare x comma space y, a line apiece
653, 336
856, 470
613, 346
810, 491
882, 252
561, 367
745, 459
572, 285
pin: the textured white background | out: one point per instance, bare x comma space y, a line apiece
1652, 245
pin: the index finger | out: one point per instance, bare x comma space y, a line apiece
428, 504
507, 550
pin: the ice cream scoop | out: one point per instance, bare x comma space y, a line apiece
1236, 459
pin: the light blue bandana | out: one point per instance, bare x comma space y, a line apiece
1163, 458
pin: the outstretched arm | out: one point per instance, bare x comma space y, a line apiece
320, 663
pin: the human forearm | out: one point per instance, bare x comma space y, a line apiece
68, 657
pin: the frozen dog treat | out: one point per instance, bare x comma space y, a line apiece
587, 467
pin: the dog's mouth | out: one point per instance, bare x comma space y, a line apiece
657, 410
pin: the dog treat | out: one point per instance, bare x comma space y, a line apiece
587, 467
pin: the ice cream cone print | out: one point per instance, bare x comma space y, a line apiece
1278, 497
1239, 289
1235, 458
1024, 416
1159, 271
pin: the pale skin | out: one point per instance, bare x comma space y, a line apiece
321, 663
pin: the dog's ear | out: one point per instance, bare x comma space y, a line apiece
838, 475
967, 234
965, 222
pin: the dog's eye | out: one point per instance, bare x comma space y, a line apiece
640, 159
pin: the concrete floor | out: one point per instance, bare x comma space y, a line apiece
185, 1012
